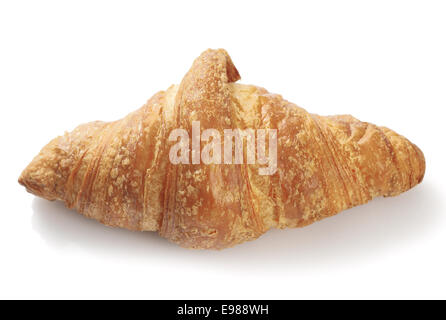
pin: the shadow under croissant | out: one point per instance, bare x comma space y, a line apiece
356, 234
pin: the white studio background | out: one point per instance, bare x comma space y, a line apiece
63, 63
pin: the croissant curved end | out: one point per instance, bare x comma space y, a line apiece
41, 177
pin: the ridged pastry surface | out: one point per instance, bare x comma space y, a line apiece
119, 172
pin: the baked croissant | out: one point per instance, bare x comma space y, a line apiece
122, 174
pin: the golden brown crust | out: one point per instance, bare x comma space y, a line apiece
120, 174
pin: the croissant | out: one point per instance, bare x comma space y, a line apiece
291, 168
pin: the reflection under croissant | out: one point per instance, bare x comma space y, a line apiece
119, 173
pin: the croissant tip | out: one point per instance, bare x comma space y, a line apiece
41, 176
34, 187
24, 180
422, 163
21, 181
231, 71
